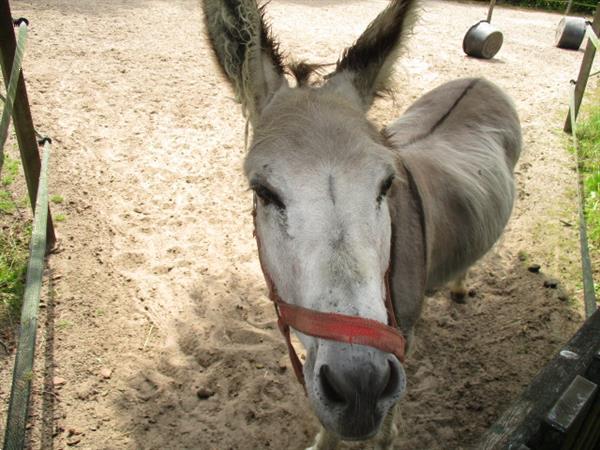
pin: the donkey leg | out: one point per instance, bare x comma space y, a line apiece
389, 431
458, 291
325, 441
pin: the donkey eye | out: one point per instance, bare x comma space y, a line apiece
268, 197
385, 187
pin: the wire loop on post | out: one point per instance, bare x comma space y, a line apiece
19, 21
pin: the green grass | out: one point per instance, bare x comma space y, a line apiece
64, 324
588, 134
14, 241
58, 199
59, 217
10, 170
581, 6
15, 234
7, 204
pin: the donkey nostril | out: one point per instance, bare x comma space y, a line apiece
328, 383
392, 382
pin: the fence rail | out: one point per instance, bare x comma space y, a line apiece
575, 98
16, 106
21, 114
11, 90
23, 371
532, 422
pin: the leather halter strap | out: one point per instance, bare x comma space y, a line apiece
333, 326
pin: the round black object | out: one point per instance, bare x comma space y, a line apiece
570, 33
482, 40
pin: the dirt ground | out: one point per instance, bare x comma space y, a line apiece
156, 330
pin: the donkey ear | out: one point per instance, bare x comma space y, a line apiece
245, 50
366, 67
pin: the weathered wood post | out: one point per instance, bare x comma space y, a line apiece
23, 123
569, 5
584, 71
491, 10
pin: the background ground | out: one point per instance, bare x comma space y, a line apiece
157, 331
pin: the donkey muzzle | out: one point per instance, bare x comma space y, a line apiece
353, 387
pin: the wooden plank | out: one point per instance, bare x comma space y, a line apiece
562, 425
521, 420
589, 437
22, 120
593, 371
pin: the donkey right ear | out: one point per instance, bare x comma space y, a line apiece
245, 50
366, 67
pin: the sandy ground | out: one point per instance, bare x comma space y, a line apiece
156, 330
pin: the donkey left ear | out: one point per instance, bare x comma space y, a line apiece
248, 55
366, 67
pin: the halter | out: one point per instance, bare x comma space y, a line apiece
333, 326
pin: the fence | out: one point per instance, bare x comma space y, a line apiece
560, 409
16, 106
592, 31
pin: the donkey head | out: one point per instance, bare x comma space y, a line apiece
322, 175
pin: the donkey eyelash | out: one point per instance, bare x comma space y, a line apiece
385, 187
268, 196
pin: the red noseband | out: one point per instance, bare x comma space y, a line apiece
336, 327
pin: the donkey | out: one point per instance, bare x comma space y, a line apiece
339, 204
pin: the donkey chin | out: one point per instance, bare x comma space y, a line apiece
352, 388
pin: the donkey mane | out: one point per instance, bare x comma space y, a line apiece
302, 71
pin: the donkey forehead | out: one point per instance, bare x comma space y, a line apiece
307, 133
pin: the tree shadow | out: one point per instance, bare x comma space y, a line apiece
224, 380
472, 360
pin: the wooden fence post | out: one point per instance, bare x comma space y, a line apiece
491, 10
23, 123
569, 5
584, 71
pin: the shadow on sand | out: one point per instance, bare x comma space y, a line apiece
221, 383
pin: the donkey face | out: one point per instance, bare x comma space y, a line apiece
321, 173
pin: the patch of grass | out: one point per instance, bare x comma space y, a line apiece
7, 204
588, 134
523, 256
552, 5
10, 170
15, 233
59, 217
14, 242
58, 199
64, 324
